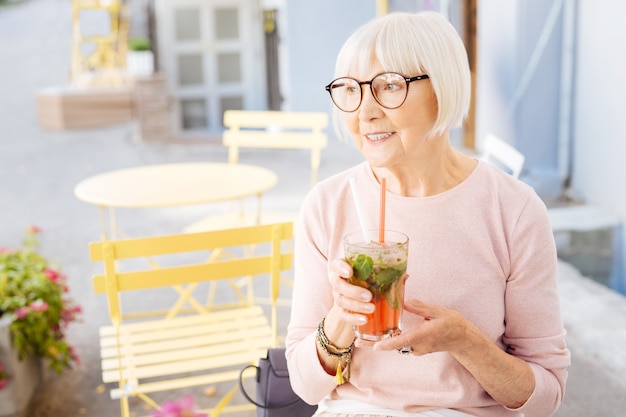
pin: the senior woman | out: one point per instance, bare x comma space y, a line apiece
481, 317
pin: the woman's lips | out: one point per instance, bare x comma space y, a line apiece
375, 137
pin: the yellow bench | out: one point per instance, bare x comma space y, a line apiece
147, 351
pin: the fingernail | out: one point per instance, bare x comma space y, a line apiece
369, 308
362, 320
366, 295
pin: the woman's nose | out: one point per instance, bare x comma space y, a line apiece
369, 106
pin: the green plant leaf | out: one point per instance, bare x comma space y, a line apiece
362, 267
139, 44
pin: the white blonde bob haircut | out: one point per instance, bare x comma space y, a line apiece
414, 44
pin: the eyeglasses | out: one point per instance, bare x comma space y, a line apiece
389, 89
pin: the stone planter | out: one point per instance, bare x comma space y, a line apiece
23, 376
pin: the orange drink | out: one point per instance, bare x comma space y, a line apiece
379, 267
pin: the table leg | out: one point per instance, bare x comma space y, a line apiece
112, 223
258, 208
103, 222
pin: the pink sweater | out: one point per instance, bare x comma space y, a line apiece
484, 248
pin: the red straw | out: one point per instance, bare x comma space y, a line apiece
381, 220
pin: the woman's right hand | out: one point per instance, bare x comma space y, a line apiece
351, 304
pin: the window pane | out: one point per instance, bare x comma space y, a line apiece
226, 24
187, 24
190, 69
229, 68
231, 103
193, 112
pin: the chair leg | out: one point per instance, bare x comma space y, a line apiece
224, 401
124, 407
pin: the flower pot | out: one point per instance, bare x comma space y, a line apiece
140, 63
24, 376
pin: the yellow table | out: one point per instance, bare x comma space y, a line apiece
169, 185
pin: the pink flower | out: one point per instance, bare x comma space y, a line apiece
3, 383
69, 314
184, 407
21, 312
53, 275
74, 354
39, 305
34, 229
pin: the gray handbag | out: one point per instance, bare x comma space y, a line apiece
274, 396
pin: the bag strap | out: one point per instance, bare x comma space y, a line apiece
245, 394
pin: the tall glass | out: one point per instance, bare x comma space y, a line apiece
380, 268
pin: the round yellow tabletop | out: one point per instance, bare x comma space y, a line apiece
175, 184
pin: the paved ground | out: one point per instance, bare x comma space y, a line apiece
39, 169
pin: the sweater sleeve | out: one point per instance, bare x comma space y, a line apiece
534, 330
308, 378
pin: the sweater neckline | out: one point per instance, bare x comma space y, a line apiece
451, 193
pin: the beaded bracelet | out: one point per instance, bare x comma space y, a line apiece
340, 353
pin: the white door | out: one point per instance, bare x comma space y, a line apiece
211, 52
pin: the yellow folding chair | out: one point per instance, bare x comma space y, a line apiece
278, 130
204, 344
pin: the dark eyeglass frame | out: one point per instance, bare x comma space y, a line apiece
407, 80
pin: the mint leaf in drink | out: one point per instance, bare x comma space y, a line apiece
385, 276
362, 267
394, 296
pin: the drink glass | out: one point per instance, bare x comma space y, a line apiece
380, 268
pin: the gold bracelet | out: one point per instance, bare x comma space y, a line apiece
340, 353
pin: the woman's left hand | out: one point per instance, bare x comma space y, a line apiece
506, 378
442, 329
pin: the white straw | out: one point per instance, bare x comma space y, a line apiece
359, 212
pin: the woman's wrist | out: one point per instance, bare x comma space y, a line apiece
342, 355
338, 332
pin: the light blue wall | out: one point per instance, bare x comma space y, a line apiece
600, 109
519, 84
316, 30
589, 147
536, 118
496, 73
599, 171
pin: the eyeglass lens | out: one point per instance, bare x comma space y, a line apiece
389, 90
